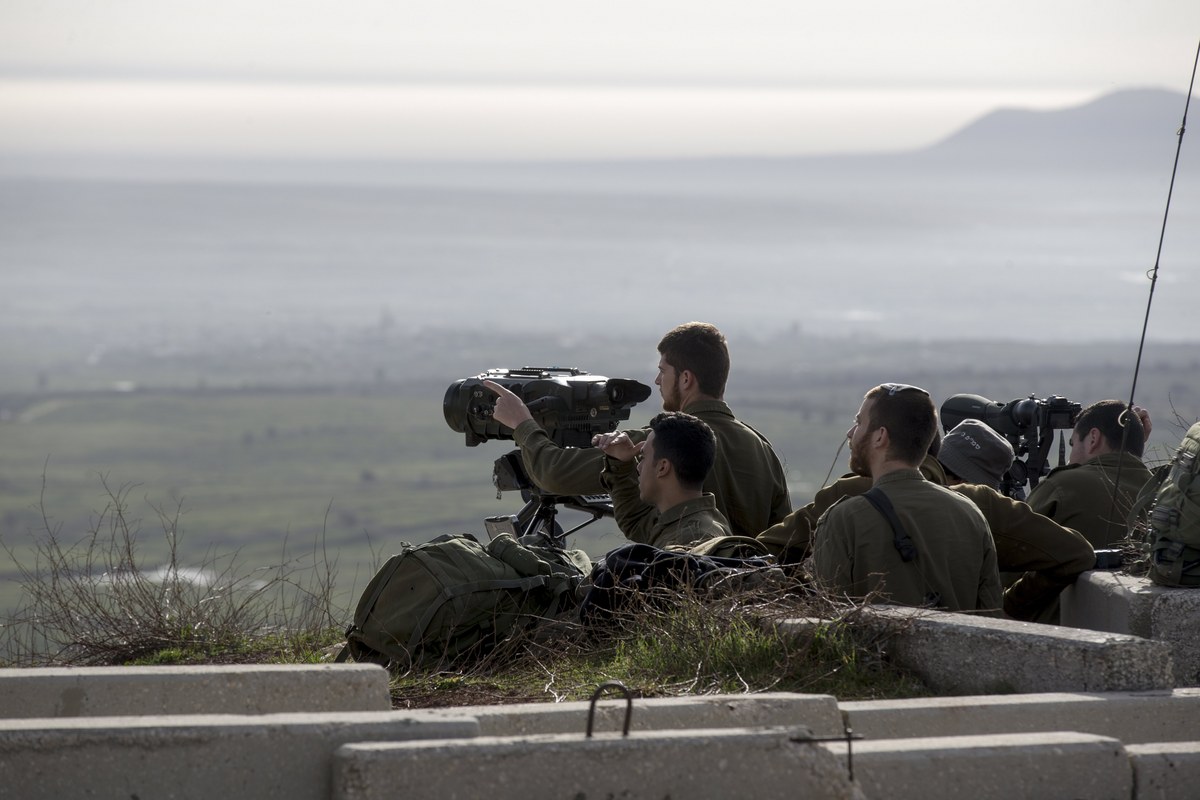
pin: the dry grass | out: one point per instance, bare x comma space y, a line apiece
679, 642
96, 601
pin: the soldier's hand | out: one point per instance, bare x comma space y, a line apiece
617, 444
1144, 416
510, 411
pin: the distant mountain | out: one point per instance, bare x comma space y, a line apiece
1124, 131
1131, 127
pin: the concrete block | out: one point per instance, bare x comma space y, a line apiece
1113, 601
1101, 600
1165, 770
966, 654
1175, 620
720, 763
819, 713
202, 756
1003, 767
1132, 717
253, 689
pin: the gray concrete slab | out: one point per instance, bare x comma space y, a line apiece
715, 764
246, 689
202, 756
1119, 603
993, 767
966, 654
818, 712
1132, 717
1165, 770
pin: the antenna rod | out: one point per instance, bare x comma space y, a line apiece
1128, 416
1153, 274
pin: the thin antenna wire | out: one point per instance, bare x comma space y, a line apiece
1163, 232
1128, 415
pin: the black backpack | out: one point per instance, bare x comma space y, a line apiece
639, 573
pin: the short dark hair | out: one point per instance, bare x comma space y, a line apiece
699, 348
688, 443
1109, 417
910, 418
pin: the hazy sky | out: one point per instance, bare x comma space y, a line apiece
529, 78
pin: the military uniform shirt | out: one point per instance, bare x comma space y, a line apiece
791, 539
747, 478
955, 568
1046, 557
688, 523
1080, 496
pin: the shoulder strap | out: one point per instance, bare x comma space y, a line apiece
900, 538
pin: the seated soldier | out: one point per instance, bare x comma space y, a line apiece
671, 465
1084, 494
747, 479
1041, 556
924, 545
1037, 557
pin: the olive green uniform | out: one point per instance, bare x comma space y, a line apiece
747, 478
684, 524
955, 568
1080, 496
790, 540
689, 523
1044, 556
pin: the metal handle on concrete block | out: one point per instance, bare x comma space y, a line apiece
596, 696
806, 735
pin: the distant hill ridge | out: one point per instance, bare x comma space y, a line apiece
1129, 127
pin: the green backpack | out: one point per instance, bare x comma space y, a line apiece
452, 597
1173, 525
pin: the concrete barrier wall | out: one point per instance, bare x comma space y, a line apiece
1132, 717
1119, 603
203, 756
699, 765
255, 689
817, 712
966, 654
1166, 771
1126, 744
995, 767
763, 763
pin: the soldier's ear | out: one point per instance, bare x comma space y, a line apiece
687, 379
880, 437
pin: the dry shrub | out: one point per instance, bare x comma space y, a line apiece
96, 601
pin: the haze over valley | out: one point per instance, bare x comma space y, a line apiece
1032, 226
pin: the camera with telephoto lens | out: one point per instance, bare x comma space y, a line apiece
570, 404
1027, 423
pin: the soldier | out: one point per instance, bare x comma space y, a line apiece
747, 478
670, 467
1037, 557
1084, 494
924, 545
